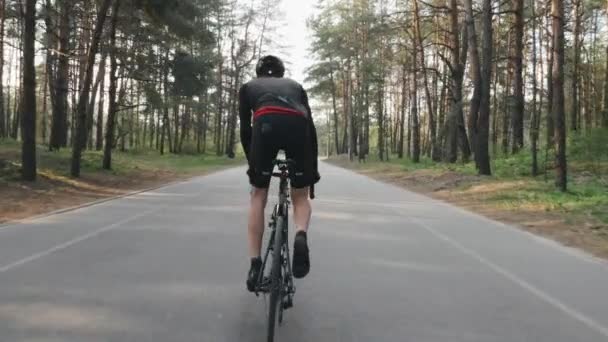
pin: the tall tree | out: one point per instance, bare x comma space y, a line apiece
3, 121
83, 101
28, 116
574, 111
414, 109
113, 105
100, 107
557, 11
534, 124
518, 84
429, 101
605, 112
475, 70
483, 121
59, 128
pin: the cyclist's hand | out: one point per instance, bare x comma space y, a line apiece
317, 177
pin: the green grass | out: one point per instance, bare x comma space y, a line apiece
585, 199
587, 196
123, 163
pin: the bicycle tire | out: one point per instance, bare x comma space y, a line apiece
276, 279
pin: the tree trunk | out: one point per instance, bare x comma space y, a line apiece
404, 85
435, 153
508, 100
166, 126
59, 128
185, 126
51, 45
605, 112
83, 101
102, 92
557, 11
8, 99
233, 115
3, 120
176, 106
381, 133
455, 123
220, 109
28, 116
535, 109
414, 110
335, 110
18, 109
518, 85
101, 74
113, 106
483, 122
44, 120
550, 116
352, 122
476, 79
575, 104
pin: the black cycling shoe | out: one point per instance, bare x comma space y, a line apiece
254, 274
301, 259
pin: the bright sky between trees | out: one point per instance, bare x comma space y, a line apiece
297, 37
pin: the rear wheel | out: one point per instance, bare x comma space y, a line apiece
276, 280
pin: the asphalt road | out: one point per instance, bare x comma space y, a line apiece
389, 265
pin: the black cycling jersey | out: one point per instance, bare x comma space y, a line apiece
274, 95
272, 92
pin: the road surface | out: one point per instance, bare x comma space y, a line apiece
388, 265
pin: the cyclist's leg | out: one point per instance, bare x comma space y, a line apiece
302, 177
264, 149
263, 152
259, 197
302, 211
301, 208
298, 149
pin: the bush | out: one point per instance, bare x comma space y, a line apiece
589, 145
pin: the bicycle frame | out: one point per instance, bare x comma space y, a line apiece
282, 284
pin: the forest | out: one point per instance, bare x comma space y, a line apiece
85, 75
459, 81
449, 80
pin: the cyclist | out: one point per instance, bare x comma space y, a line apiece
282, 120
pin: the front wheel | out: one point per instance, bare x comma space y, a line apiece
276, 280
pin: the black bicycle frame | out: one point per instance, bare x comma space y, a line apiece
280, 209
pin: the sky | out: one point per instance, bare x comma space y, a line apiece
297, 37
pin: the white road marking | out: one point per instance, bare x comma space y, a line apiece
572, 313
71, 242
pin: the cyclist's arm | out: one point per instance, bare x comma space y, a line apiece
245, 117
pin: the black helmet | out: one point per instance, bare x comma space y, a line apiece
270, 66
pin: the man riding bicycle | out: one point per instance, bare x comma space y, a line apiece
282, 120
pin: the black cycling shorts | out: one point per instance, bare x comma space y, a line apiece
274, 132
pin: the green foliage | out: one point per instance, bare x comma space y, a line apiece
189, 74
588, 198
589, 145
123, 163
588, 191
176, 15
513, 165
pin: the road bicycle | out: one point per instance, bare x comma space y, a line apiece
276, 280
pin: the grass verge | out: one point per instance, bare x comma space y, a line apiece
577, 218
55, 189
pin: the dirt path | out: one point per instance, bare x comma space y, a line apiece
51, 192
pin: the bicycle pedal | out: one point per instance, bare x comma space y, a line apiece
264, 285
